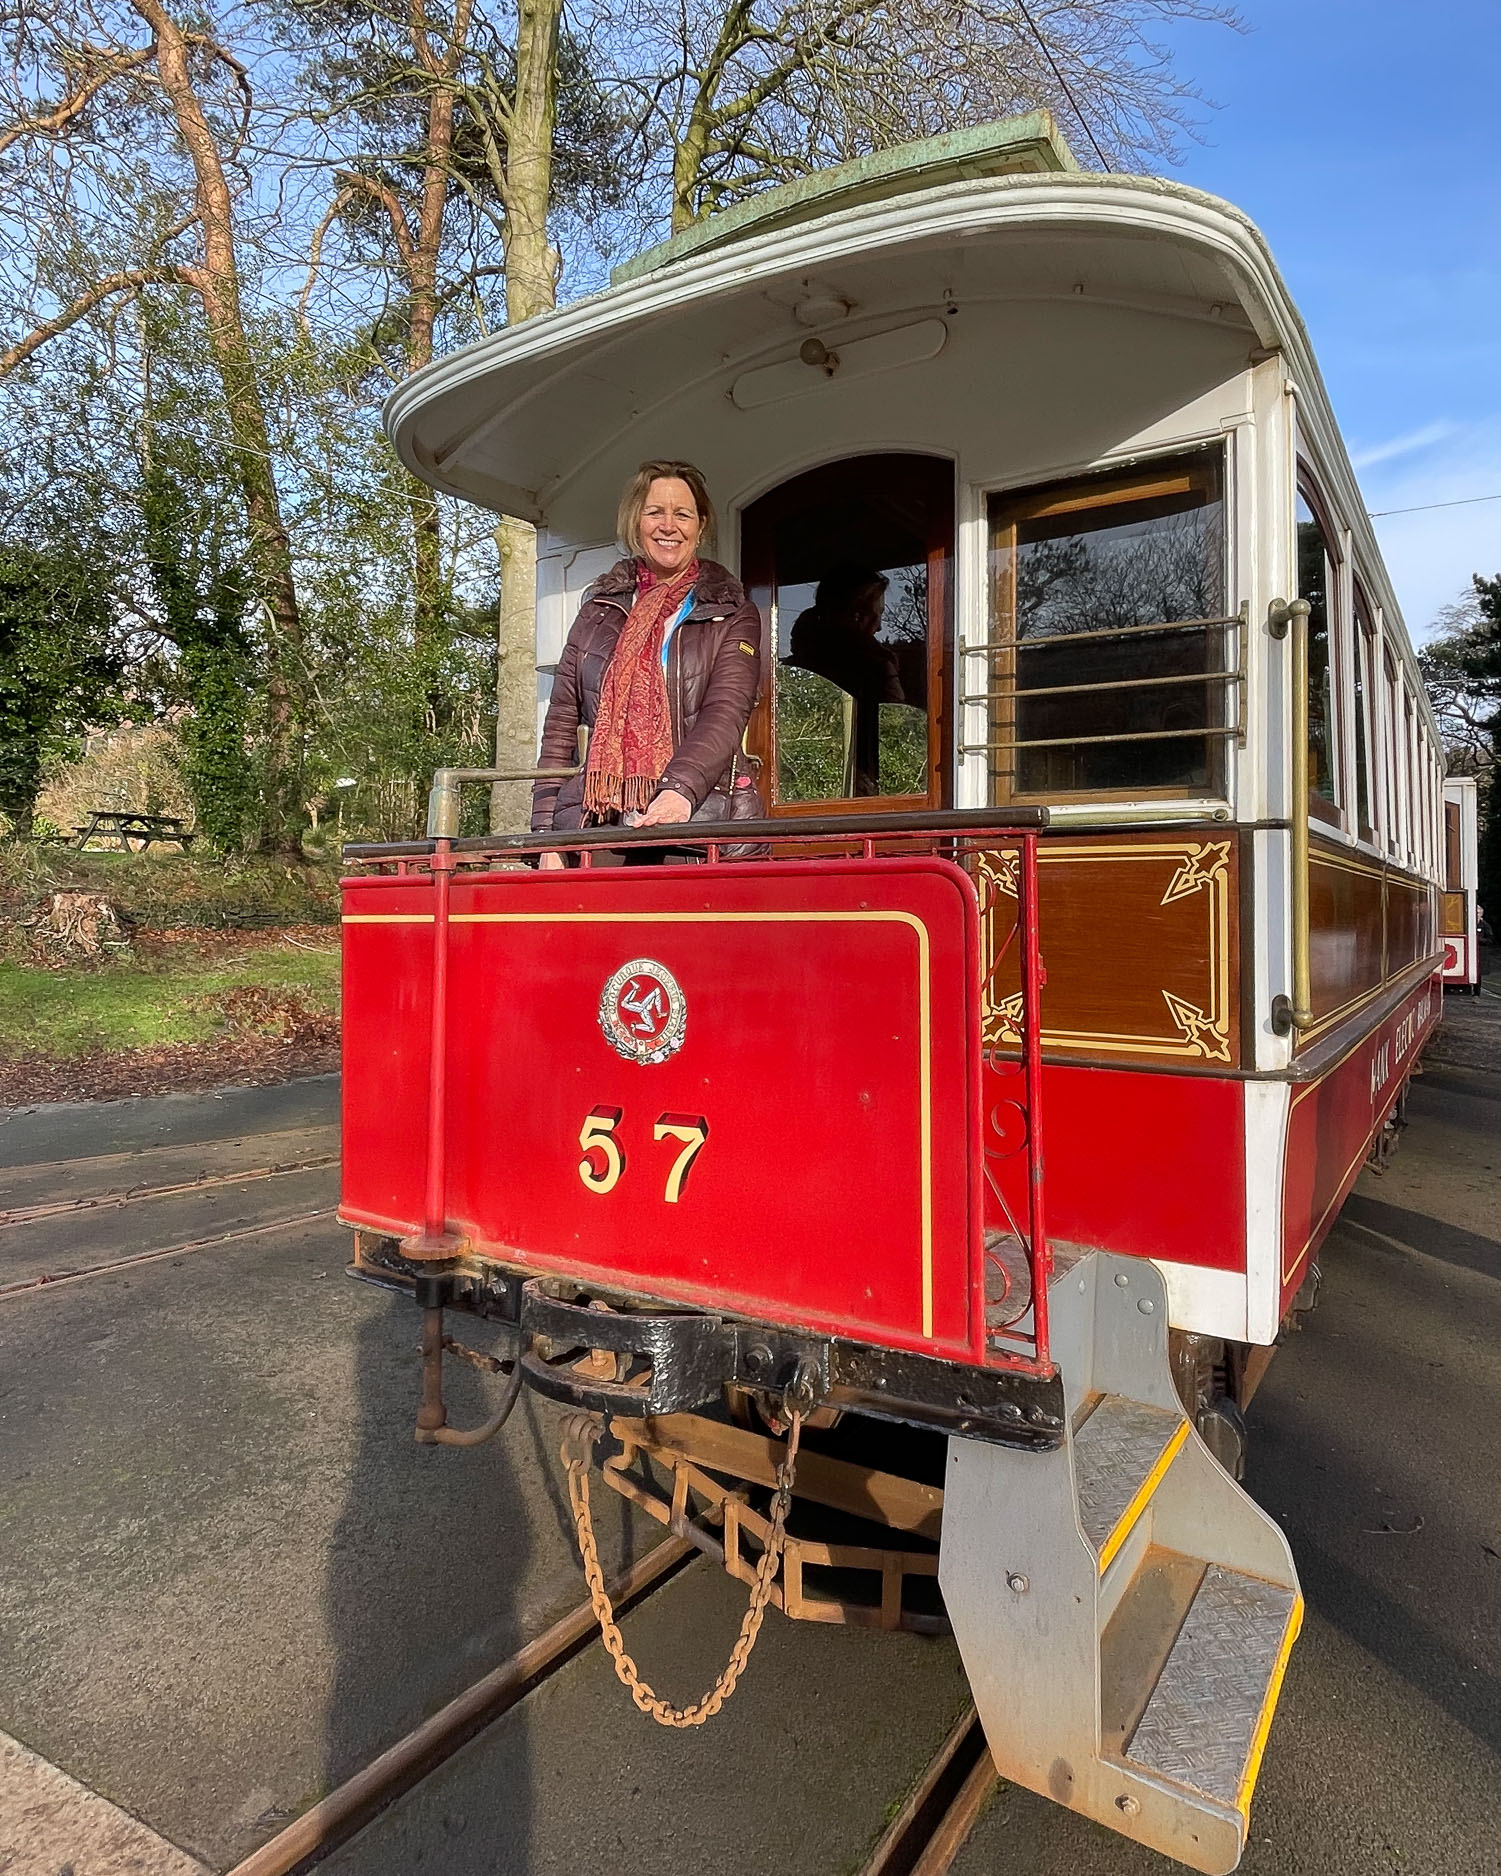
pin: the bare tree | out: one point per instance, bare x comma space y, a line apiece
489, 101
1462, 671
756, 92
78, 74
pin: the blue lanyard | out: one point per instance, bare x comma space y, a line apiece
673, 624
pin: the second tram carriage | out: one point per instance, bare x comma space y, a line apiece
986, 1132
1461, 910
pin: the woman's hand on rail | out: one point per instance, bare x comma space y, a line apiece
551, 862
667, 810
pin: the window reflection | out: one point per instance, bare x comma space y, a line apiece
851, 560
852, 684
1098, 686
1316, 583
1365, 639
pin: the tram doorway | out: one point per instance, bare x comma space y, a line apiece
851, 564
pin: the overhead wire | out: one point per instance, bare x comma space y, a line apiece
1464, 501
1063, 82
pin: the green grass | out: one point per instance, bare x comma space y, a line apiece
166, 891
167, 999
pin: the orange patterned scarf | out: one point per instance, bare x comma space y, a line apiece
631, 743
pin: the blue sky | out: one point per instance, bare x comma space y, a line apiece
1363, 140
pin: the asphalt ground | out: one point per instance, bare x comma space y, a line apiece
228, 1577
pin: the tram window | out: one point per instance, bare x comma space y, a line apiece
1452, 880
1393, 757
1365, 640
851, 561
1318, 583
1409, 803
1110, 671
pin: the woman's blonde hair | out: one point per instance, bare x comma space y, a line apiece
628, 524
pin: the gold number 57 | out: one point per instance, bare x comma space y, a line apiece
597, 1135
693, 1131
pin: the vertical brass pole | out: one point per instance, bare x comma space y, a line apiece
1282, 619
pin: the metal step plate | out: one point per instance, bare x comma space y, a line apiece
1207, 1720
1120, 1454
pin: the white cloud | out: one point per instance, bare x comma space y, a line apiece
1431, 554
1403, 445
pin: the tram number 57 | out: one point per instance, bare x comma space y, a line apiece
604, 1155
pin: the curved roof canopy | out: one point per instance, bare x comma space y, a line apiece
865, 269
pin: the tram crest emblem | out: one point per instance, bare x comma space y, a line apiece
643, 1012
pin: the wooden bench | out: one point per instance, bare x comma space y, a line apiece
132, 832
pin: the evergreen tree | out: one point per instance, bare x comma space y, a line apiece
59, 669
1462, 666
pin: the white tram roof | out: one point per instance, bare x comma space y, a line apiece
960, 282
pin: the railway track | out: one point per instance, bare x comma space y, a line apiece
934, 1824
923, 1838
56, 1279
350, 1806
134, 1195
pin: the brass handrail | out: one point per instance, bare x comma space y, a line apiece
1286, 618
444, 800
1047, 642
1007, 686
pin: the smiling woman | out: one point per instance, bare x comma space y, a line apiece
659, 673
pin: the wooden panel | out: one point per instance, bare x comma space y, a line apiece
1344, 930
1140, 942
1410, 922
1368, 926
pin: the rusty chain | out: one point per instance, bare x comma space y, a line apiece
579, 1434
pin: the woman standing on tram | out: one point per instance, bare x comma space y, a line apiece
662, 666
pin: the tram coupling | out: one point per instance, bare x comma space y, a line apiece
610, 1355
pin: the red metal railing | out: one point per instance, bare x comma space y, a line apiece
999, 852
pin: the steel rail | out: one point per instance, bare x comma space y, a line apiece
350, 1806
132, 1195
933, 1825
129, 1154
55, 1280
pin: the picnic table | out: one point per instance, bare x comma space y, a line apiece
133, 832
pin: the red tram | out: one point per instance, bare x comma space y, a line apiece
984, 1136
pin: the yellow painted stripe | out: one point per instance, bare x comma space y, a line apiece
1143, 1496
1268, 1708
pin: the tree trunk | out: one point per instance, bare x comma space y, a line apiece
687, 159
531, 288
218, 285
425, 253
516, 675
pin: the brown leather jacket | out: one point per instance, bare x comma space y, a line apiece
713, 673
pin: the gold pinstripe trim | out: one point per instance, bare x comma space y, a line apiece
1209, 1036
1268, 1708
1289, 1271
925, 1002
1127, 1520
1325, 856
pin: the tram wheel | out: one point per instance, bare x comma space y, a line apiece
1222, 1427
